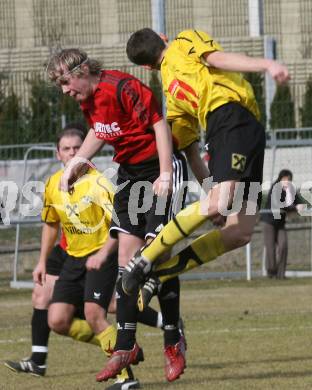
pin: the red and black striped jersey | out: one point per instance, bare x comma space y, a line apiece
122, 112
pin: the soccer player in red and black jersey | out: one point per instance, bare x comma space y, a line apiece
123, 112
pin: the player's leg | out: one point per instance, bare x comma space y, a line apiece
40, 331
236, 233
69, 290
126, 350
130, 240
177, 229
169, 291
99, 289
147, 316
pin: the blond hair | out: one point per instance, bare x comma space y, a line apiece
70, 60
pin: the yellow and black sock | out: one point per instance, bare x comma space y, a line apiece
202, 250
181, 226
80, 330
125, 374
107, 339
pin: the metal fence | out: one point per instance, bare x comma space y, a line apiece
33, 29
295, 153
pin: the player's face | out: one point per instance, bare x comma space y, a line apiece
79, 87
68, 147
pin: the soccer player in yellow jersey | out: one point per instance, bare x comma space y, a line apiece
84, 284
203, 85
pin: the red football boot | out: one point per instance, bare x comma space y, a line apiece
119, 360
175, 360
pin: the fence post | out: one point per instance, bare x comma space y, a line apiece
248, 261
255, 10
270, 87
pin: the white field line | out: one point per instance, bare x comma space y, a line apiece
196, 332
14, 304
28, 340
236, 330
16, 341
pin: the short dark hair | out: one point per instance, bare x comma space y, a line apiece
70, 130
144, 47
285, 173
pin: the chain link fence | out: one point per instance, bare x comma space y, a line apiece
31, 110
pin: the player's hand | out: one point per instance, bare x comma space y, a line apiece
95, 262
74, 170
39, 273
162, 186
278, 72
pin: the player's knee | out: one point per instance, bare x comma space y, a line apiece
236, 237
242, 239
59, 324
94, 314
40, 300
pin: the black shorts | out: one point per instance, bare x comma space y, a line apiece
56, 260
137, 210
76, 285
235, 144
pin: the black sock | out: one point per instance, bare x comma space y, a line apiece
148, 317
126, 317
40, 332
169, 301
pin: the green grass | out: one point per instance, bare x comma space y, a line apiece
241, 335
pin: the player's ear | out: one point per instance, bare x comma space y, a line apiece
85, 69
58, 155
164, 37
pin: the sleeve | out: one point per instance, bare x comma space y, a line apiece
200, 41
138, 100
185, 130
48, 214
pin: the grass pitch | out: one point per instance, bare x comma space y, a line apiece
241, 335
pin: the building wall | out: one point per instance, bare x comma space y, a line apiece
31, 29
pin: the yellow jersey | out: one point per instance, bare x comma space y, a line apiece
193, 88
85, 214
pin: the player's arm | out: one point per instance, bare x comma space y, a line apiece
90, 146
49, 237
185, 131
197, 165
163, 183
99, 258
242, 63
211, 54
